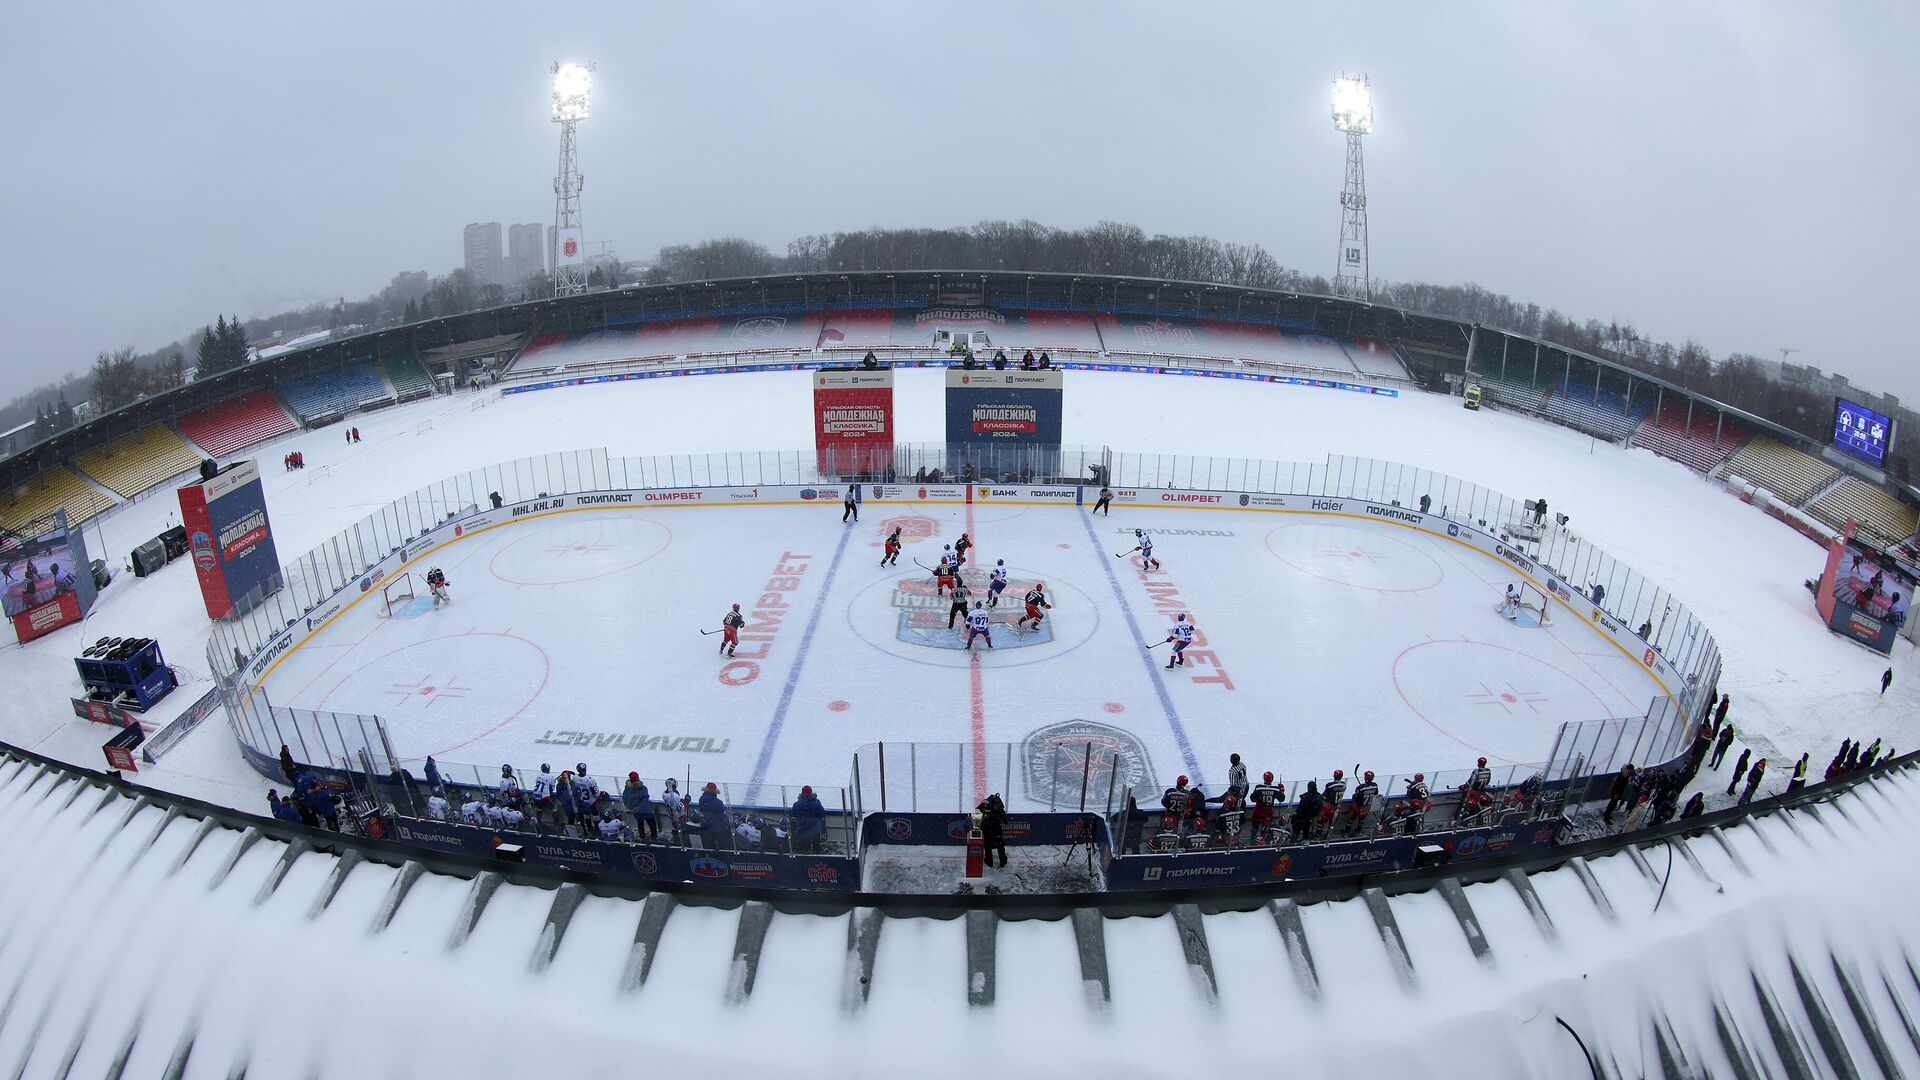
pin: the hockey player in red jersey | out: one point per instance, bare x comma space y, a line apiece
891, 556
1036, 604
730, 625
1267, 795
944, 574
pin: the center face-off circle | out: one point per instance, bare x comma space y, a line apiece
905, 617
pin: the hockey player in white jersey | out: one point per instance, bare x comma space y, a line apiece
979, 625
1511, 609
587, 791
997, 583
1182, 636
1143, 544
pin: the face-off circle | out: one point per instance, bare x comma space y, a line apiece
1360, 558
907, 617
1446, 684
472, 684
579, 547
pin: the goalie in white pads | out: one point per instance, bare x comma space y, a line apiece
437, 584
1511, 609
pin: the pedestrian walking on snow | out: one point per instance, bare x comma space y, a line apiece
1739, 768
1720, 746
1753, 781
1886, 680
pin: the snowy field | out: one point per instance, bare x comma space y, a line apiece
1329, 663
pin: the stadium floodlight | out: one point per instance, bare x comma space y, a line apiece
1353, 104
1353, 116
572, 84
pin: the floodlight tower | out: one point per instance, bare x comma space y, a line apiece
1353, 116
571, 84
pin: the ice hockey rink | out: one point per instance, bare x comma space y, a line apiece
576, 636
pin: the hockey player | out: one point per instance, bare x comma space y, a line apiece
891, 556
1227, 823
610, 825
960, 547
1036, 603
1419, 794
1266, 797
543, 789
1174, 801
1182, 636
1143, 544
509, 784
1474, 798
437, 808
996, 583
978, 624
676, 805
473, 811
588, 790
1364, 793
1105, 503
958, 609
730, 625
437, 584
1331, 795
944, 574
1511, 609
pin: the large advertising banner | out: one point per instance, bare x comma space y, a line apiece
1005, 415
853, 421
48, 580
231, 541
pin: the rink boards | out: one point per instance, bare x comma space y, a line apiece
670, 712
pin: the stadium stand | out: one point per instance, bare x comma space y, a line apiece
1877, 512
408, 377
1788, 473
1607, 414
236, 423
135, 463
1701, 445
540, 354
57, 488
330, 394
1519, 395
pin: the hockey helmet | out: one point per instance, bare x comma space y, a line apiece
672, 784
999, 562
1235, 758
506, 770
1369, 775
1338, 773
1179, 618
979, 603
1483, 763
1182, 782
1419, 778
582, 766
1136, 532
546, 768
1268, 777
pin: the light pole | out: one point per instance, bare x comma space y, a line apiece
572, 84
1353, 117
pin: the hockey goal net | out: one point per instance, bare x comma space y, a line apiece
395, 593
1531, 608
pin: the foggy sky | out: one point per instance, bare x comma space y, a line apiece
1738, 172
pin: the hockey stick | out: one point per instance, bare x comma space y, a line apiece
704, 633
1124, 554
1155, 645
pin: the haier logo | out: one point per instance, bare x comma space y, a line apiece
1328, 504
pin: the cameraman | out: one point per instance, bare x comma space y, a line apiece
993, 827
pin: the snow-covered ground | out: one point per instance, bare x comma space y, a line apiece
1794, 685
1779, 947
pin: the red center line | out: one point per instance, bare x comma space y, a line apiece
976, 687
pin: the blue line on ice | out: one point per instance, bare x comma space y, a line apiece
1153, 672
793, 673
